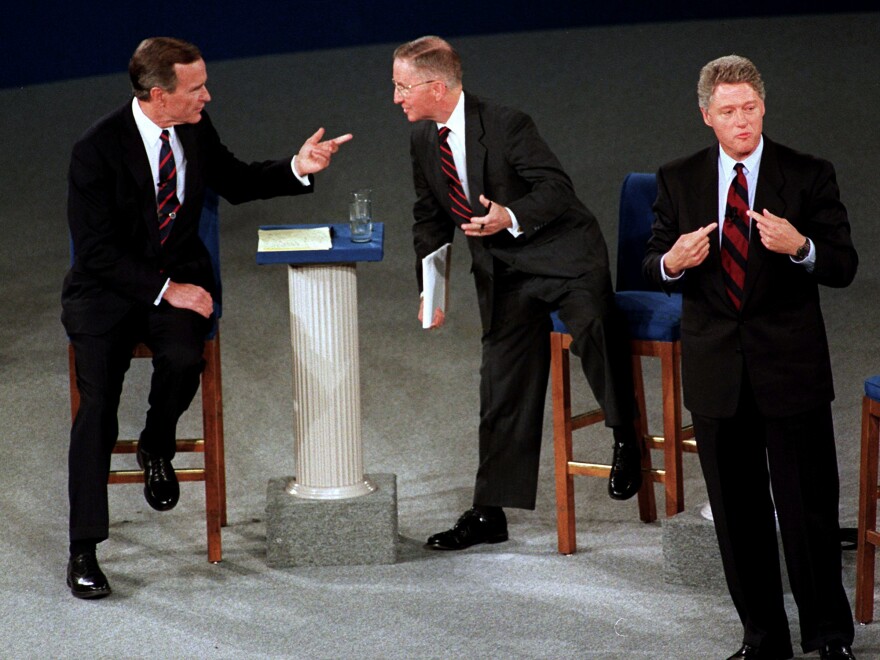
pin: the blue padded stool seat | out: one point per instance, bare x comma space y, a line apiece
649, 315
872, 388
558, 325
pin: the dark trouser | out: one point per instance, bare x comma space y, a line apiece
515, 368
176, 338
744, 460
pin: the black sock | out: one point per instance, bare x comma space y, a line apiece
625, 434
83, 547
488, 511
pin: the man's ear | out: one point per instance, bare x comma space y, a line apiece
706, 118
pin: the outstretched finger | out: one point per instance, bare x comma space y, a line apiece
316, 137
342, 139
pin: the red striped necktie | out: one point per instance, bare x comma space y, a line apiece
735, 237
167, 203
457, 200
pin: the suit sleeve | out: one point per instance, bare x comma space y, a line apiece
432, 227
548, 192
664, 232
826, 224
237, 181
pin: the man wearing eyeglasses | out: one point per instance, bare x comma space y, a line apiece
484, 170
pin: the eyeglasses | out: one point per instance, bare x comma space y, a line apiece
404, 90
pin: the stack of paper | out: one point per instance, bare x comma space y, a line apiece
435, 276
290, 240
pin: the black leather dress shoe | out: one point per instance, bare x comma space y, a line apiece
749, 652
84, 577
161, 489
473, 527
836, 651
626, 471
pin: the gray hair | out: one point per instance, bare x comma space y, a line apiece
731, 70
434, 56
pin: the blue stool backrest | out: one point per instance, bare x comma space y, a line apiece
209, 232
634, 229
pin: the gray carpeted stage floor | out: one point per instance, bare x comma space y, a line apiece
608, 100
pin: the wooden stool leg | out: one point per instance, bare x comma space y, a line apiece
562, 449
868, 474
212, 421
670, 368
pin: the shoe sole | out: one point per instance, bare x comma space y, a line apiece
446, 548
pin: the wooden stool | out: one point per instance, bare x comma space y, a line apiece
564, 423
868, 538
653, 322
213, 473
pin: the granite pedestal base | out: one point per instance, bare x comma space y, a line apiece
690, 552
346, 532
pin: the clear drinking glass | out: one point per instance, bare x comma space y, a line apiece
360, 215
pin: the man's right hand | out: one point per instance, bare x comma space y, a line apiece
689, 250
189, 296
439, 316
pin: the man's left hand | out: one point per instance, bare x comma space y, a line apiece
496, 219
777, 234
315, 155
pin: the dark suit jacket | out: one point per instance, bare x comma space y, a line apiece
113, 219
509, 163
779, 334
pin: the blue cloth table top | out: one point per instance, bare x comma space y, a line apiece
344, 250
872, 388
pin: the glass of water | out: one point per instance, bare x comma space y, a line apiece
360, 215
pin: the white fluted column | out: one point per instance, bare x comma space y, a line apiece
326, 382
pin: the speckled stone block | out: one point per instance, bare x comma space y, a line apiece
347, 532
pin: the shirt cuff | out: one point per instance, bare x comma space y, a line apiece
162, 292
302, 179
668, 278
515, 230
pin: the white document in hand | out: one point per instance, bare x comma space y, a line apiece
435, 278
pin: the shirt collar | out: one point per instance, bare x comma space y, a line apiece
456, 119
150, 132
750, 163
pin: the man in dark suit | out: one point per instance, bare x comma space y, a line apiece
141, 273
535, 248
749, 229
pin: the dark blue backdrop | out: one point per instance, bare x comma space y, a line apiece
56, 40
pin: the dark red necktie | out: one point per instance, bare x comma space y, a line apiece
735, 237
457, 200
166, 197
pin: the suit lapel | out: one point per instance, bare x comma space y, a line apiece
186, 133
767, 196
707, 212
139, 168
475, 151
